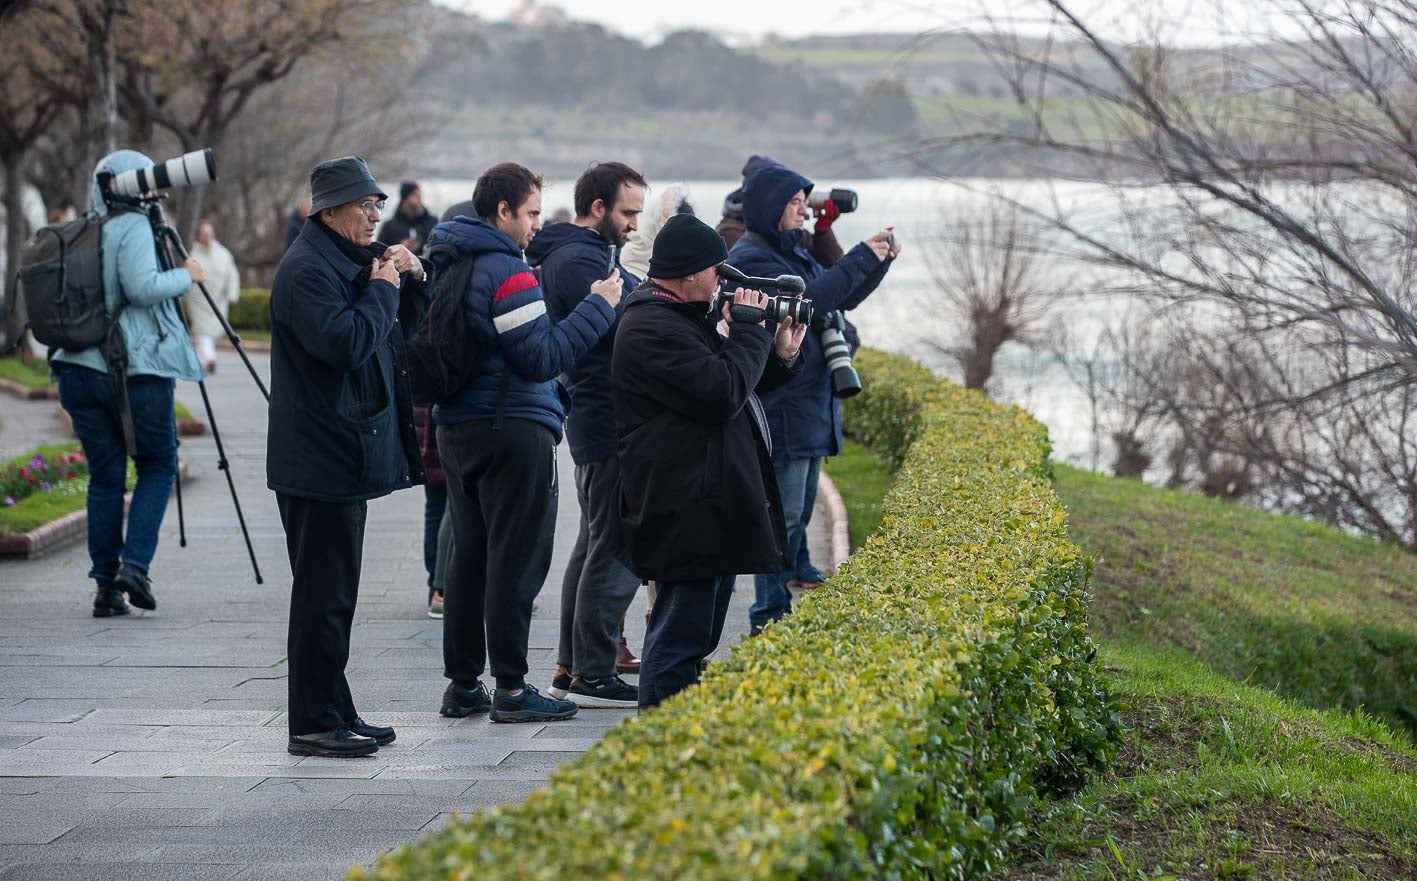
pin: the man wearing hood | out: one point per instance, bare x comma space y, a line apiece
820, 241
159, 353
698, 503
341, 432
597, 588
411, 223
497, 438
804, 415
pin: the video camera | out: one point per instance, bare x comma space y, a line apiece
789, 304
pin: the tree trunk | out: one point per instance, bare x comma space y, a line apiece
110, 76
15, 315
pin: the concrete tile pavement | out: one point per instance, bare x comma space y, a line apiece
154, 746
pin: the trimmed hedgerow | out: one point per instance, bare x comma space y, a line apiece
895, 726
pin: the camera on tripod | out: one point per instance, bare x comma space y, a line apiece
187, 170
788, 304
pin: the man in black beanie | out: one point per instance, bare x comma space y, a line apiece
699, 503
412, 221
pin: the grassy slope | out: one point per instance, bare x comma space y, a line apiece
32, 373
862, 483
1217, 623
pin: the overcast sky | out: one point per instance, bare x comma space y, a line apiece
1186, 21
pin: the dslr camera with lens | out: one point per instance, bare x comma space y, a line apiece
187, 170
789, 303
831, 329
844, 199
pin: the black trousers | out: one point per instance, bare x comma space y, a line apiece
684, 628
502, 496
326, 546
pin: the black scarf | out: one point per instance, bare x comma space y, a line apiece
363, 255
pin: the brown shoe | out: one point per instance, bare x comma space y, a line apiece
625, 660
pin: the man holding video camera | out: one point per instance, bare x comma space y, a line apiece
341, 433
698, 500
804, 415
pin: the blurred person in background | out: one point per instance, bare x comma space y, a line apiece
411, 222
223, 283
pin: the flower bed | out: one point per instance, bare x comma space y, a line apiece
896, 725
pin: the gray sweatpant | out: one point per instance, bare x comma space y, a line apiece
597, 588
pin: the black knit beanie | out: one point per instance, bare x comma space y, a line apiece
685, 245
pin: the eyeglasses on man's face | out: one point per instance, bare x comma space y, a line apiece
371, 207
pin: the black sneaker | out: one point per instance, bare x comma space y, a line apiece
529, 706
109, 602
608, 691
560, 683
459, 702
136, 585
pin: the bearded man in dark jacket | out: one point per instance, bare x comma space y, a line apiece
698, 500
596, 589
804, 415
341, 432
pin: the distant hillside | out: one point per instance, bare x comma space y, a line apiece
689, 106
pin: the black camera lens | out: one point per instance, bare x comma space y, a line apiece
799, 309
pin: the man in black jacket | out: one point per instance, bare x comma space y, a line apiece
699, 503
597, 589
412, 221
341, 432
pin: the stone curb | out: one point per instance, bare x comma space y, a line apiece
26, 393
58, 533
836, 522
249, 345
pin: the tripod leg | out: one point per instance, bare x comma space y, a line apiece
225, 466
176, 241
177, 485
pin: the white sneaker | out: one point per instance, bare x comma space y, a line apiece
435, 605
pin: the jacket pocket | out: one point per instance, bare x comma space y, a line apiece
713, 467
380, 450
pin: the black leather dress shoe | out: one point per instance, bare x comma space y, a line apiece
108, 602
382, 734
337, 744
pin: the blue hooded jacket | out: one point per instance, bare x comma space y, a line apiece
803, 415
504, 305
570, 259
151, 323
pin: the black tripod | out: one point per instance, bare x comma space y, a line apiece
167, 241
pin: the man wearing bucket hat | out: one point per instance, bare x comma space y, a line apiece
341, 432
698, 501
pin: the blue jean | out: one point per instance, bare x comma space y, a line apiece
88, 398
795, 477
804, 554
435, 505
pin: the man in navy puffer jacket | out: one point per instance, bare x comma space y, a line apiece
497, 438
803, 415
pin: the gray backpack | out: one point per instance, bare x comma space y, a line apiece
61, 281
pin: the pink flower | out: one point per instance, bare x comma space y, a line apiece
9, 501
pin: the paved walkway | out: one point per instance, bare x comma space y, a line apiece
153, 747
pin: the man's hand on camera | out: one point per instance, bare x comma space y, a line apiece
195, 270
826, 216
403, 261
609, 288
884, 244
788, 341
385, 270
744, 297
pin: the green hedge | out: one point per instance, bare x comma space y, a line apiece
895, 726
252, 311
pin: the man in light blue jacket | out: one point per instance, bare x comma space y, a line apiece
159, 352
